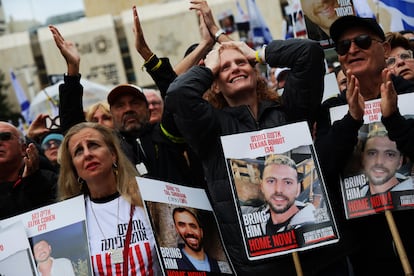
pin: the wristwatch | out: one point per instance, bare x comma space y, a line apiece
218, 34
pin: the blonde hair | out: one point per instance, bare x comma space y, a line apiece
68, 185
280, 159
92, 109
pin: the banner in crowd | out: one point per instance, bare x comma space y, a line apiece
278, 191
378, 176
185, 228
16, 257
59, 231
318, 18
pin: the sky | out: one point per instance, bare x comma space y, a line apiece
39, 10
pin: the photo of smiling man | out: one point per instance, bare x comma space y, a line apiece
191, 232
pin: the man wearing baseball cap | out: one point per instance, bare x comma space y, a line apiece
154, 149
362, 50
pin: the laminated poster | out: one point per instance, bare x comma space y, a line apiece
16, 256
59, 230
319, 18
278, 191
377, 177
184, 224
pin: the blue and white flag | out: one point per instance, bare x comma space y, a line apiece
241, 15
402, 14
260, 31
21, 97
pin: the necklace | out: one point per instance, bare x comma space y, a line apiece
115, 254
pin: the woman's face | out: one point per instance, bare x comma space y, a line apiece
91, 157
236, 75
102, 117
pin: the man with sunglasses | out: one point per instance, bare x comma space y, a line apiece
362, 51
23, 186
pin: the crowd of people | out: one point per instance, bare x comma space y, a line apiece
173, 134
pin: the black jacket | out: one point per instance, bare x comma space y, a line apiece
202, 125
34, 191
163, 157
367, 236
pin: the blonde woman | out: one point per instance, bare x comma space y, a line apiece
93, 164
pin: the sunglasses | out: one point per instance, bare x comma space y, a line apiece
5, 136
362, 41
50, 143
391, 61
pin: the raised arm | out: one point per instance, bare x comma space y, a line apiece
215, 31
71, 91
159, 69
198, 54
400, 129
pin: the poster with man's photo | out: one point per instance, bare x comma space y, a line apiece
16, 256
318, 17
185, 229
278, 191
378, 176
58, 237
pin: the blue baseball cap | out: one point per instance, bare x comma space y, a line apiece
52, 136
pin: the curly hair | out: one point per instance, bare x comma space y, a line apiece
262, 90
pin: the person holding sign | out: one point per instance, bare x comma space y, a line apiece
381, 160
194, 258
240, 101
120, 237
362, 51
47, 265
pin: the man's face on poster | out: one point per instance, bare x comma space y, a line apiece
280, 187
41, 251
190, 231
381, 160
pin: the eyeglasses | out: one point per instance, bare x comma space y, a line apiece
391, 61
5, 136
50, 143
154, 103
362, 41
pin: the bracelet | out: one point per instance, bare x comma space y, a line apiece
258, 58
218, 34
148, 60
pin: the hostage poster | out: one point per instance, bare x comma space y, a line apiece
58, 231
378, 176
278, 191
16, 257
185, 229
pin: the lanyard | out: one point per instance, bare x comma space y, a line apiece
128, 241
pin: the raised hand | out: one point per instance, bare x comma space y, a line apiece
140, 44
68, 50
389, 97
31, 160
354, 98
38, 127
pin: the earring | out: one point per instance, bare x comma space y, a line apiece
81, 182
115, 168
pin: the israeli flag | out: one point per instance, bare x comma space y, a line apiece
21, 97
402, 14
260, 30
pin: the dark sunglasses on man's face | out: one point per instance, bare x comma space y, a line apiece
362, 41
5, 136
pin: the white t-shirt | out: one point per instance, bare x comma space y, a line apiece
107, 227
